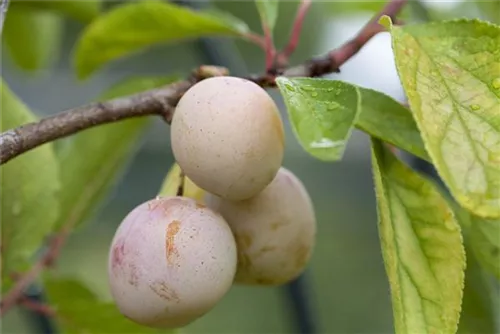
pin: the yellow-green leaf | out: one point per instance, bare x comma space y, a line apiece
78, 310
485, 242
33, 38
421, 246
268, 11
386, 119
94, 159
30, 186
322, 113
450, 72
133, 27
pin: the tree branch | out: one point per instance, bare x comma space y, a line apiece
162, 101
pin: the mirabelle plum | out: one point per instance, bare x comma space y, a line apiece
227, 136
275, 230
171, 260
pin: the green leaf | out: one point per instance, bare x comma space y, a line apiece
78, 310
490, 9
322, 113
386, 119
94, 159
450, 72
129, 28
30, 185
485, 242
33, 38
268, 11
83, 11
421, 246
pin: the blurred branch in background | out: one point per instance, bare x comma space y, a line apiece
300, 295
39, 314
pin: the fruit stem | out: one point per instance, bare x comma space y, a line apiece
180, 189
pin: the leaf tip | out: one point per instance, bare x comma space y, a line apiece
386, 21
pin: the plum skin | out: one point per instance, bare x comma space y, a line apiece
228, 137
274, 231
171, 260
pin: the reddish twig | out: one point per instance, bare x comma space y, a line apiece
269, 49
282, 58
15, 294
265, 43
351, 47
163, 101
256, 39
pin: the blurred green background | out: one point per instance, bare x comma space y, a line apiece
348, 287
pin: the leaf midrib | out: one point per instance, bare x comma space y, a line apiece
403, 264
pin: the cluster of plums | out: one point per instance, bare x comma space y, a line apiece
174, 257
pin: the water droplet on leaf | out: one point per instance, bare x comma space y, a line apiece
326, 143
496, 83
332, 106
314, 94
